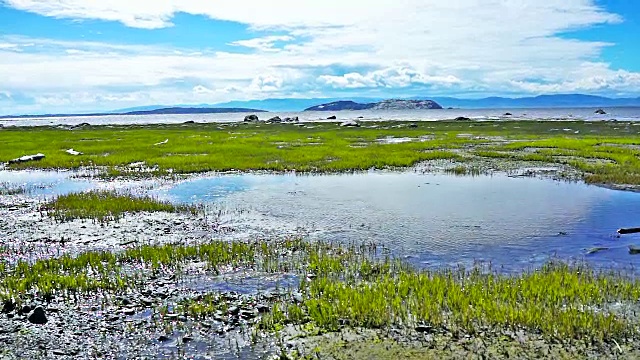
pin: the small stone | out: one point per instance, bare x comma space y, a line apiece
25, 309
234, 310
423, 328
262, 308
187, 339
146, 301
38, 316
163, 338
129, 311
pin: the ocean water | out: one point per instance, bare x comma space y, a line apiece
621, 114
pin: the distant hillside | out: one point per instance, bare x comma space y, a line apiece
393, 104
542, 101
161, 111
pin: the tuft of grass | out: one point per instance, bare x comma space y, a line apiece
106, 206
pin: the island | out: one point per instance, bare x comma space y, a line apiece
392, 104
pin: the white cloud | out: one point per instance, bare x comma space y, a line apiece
266, 43
488, 46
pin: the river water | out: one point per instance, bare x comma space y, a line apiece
621, 114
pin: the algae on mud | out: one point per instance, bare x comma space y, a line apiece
605, 152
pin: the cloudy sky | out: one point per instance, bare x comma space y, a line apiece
90, 55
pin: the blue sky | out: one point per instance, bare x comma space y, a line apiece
85, 55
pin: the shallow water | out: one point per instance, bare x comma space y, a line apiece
431, 220
618, 113
440, 220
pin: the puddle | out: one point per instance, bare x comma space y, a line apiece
438, 220
43, 183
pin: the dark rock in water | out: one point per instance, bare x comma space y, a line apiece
38, 316
187, 339
601, 112
462, 118
449, 108
350, 123
251, 118
332, 117
508, 114
275, 119
634, 250
293, 119
189, 122
27, 158
360, 117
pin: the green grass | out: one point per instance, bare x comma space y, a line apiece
351, 286
329, 148
106, 206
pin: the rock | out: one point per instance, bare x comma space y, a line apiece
508, 114
73, 152
25, 309
163, 338
189, 122
332, 117
234, 310
251, 118
27, 158
262, 308
293, 119
462, 118
80, 126
350, 123
297, 297
187, 339
634, 250
146, 301
275, 119
38, 316
601, 112
423, 328
8, 306
413, 125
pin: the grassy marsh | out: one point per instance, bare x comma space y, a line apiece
106, 206
605, 152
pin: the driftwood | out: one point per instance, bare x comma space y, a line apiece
628, 231
26, 158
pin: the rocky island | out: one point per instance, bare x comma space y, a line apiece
392, 104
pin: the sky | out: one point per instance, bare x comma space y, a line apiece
88, 55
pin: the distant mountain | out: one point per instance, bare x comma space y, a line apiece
151, 111
290, 105
542, 101
393, 104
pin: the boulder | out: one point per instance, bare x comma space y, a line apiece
350, 123
508, 114
27, 158
251, 118
601, 112
462, 118
332, 117
38, 316
189, 122
293, 119
275, 119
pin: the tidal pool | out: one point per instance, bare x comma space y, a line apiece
439, 220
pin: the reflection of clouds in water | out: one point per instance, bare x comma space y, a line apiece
44, 183
434, 217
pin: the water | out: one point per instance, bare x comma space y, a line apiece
622, 114
430, 220
440, 220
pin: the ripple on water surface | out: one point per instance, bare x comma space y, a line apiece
440, 220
